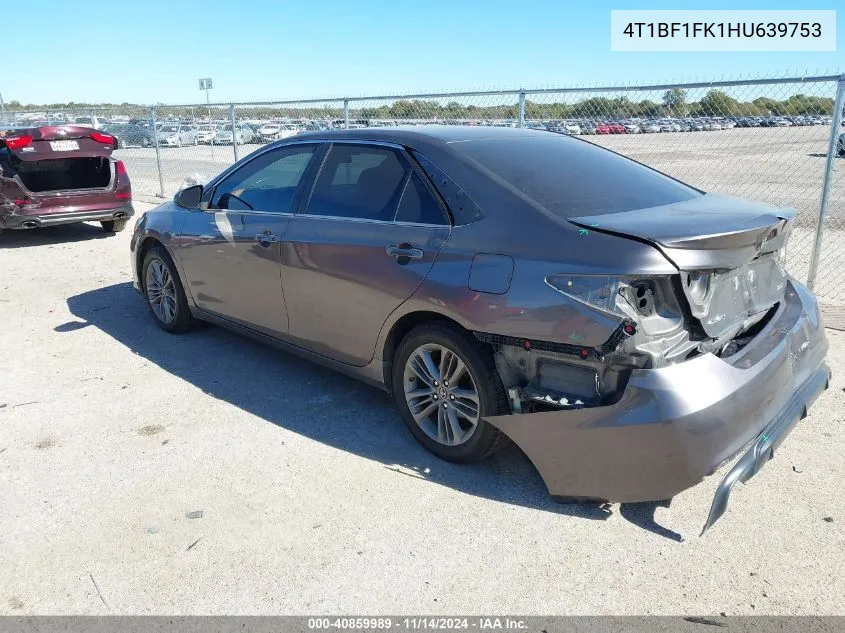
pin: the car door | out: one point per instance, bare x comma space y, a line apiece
363, 242
230, 251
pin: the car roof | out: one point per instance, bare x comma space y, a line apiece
421, 134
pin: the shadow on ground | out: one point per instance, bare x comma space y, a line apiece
62, 234
318, 403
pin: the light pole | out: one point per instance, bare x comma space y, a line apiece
205, 84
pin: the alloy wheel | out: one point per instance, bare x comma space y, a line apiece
441, 394
161, 292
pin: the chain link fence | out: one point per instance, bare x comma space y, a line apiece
773, 140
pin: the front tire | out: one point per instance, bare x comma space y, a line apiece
444, 383
114, 226
164, 293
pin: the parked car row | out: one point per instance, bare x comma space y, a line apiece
686, 124
138, 132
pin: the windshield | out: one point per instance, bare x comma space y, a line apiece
169, 128
573, 178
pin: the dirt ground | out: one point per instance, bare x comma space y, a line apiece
205, 474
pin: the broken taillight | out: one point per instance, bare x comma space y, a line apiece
106, 139
16, 142
597, 291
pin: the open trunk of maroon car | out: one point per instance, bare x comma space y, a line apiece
62, 175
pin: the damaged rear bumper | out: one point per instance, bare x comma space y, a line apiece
675, 425
24, 221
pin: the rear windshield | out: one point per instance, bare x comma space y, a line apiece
574, 178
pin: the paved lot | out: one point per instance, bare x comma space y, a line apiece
315, 499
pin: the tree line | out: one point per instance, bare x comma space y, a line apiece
673, 103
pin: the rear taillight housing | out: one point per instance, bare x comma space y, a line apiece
124, 193
16, 142
105, 139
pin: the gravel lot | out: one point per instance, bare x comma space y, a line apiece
314, 497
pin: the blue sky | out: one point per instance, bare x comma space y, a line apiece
154, 51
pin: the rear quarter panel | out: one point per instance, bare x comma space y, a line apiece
530, 308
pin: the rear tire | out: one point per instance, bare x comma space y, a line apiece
161, 283
114, 226
452, 437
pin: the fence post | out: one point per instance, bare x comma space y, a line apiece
346, 114
234, 134
158, 155
828, 176
521, 108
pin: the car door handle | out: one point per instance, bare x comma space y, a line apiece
266, 238
404, 251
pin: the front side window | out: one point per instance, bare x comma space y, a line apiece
359, 181
266, 183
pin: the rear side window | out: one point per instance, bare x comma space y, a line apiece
573, 178
463, 207
418, 204
266, 183
359, 181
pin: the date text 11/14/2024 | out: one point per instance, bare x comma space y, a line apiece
418, 623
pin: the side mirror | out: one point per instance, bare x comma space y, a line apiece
189, 197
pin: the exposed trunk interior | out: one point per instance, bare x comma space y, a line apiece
64, 174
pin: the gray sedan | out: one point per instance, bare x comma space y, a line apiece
629, 332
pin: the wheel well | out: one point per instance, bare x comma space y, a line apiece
146, 245
398, 332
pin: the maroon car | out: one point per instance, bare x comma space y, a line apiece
610, 128
61, 175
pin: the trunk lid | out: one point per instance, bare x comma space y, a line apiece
704, 233
62, 141
729, 253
